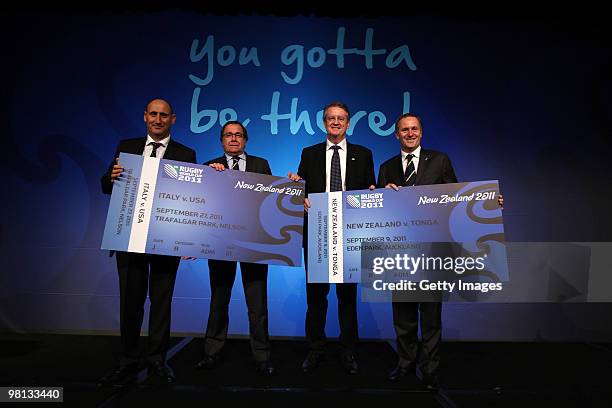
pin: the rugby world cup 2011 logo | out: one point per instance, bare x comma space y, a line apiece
353, 201
183, 173
171, 171
365, 200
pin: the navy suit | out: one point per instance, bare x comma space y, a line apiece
359, 174
255, 285
434, 168
139, 273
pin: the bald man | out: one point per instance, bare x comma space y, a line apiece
142, 273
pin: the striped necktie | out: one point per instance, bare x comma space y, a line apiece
410, 173
335, 174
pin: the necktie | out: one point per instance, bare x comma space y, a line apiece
335, 175
155, 146
235, 160
410, 173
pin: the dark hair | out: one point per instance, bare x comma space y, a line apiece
159, 99
408, 115
234, 122
337, 104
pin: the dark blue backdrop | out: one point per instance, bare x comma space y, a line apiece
526, 102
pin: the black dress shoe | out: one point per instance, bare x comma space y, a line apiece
399, 372
207, 363
311, 361
430, 381
119, 377
162, 371
349, 362
266, 368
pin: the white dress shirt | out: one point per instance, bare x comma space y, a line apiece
415, 159
160, 150
328, 158
241, 162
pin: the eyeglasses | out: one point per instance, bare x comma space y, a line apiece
340, 119
237, 135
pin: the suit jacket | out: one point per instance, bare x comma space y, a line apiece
359, 171
359, 167
434, 168
174, 151
254, 164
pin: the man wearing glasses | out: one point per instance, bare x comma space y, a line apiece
222, 273
334, 165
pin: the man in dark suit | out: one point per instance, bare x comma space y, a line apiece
416, 166
353, 170
141, 272
222, 273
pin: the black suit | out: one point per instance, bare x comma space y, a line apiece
139, 272
359, 175
434, 168
254, 283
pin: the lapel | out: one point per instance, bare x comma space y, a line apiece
249, 164
139, 147
170, 150
320, 157
397, 169
424, 161
223, 161
351, 161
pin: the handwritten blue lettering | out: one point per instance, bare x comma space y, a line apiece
293, 55
376, 119
225, 56
210, 115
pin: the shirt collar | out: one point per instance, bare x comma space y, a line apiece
229, 156
416, 153
164, 141
342, 144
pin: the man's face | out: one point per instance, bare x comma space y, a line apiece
336, 123
233, 140
159, 119
409, 134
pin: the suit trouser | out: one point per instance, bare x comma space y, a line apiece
255, 285
406, 324
316, 315
139, 273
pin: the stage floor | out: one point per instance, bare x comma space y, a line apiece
472, 374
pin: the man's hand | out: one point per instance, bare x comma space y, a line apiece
117, 170
393, 186
306, 204
188, 258
294, 177
217, 166
372, 187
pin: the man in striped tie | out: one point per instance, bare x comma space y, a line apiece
334, 165
142, 274
416, 166
234, 137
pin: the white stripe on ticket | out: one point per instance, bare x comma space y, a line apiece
144, 202
336, 244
